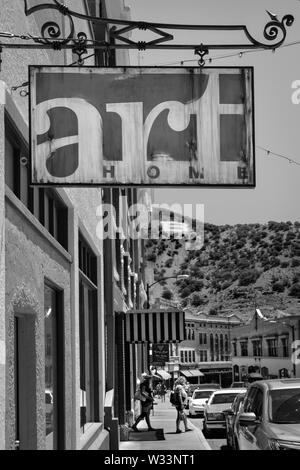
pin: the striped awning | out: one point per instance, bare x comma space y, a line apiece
154, 326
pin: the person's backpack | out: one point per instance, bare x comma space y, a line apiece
175, 398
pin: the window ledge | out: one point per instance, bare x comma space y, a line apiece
17, 204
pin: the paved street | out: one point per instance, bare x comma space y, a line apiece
218, 439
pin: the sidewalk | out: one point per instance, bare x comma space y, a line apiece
165, 417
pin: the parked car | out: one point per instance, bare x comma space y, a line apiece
231, 419
193, 387
238, 385
198, 401
270, 418
218, 402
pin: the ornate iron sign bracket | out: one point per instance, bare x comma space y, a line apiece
274, 33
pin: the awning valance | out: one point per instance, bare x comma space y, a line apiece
192, 373
163, 374
154, 326
186, 373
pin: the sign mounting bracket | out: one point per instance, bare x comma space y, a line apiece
274, 33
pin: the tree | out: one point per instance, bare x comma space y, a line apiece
167, 294
197, 300
151, 257
278, 286
248, 276
295, 290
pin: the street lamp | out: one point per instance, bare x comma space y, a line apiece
179, 276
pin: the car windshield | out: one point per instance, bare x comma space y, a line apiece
223, 398
284, 406
202, 394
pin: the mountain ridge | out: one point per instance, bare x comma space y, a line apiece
239, 267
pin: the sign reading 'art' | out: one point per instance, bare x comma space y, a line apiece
142, 126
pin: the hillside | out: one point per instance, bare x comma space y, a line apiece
238, 267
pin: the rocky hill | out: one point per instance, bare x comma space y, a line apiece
237, 268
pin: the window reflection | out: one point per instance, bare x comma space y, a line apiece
50, 366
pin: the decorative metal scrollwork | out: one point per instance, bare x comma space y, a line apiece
201, 51
51, 31
272, 30
80, 47
274, 33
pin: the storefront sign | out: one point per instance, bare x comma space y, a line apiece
160, 354
142, 126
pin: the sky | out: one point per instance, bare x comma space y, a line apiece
277, 119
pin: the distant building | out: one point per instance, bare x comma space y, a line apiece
205, 355
264, 345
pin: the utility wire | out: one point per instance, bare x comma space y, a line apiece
279, 155
238, 54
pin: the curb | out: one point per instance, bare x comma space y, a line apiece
200, 435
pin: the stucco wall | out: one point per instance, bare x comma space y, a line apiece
2, 273
29, 256
30, 259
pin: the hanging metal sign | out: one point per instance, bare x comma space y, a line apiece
142, 126
160, 354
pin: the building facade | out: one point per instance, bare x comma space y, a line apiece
62, 286
207, 348
266, 345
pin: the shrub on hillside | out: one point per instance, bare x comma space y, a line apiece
213, 311
167, 294
278, 286
185, 292
248, 276
295, 262
197, 300
151, 257
295, 290
284, 264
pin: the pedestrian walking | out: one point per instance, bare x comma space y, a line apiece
163, 392
146, 398
180, 397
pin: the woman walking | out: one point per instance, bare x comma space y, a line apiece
181, 397
146, 403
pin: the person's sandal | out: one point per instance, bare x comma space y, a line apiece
135, 428
178, 431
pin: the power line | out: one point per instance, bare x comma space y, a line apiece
279, 155
239, 54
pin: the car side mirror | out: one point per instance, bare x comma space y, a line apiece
246, 419
206, 401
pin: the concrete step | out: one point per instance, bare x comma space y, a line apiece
145, 435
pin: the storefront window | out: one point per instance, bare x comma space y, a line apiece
88, 335
53, 368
